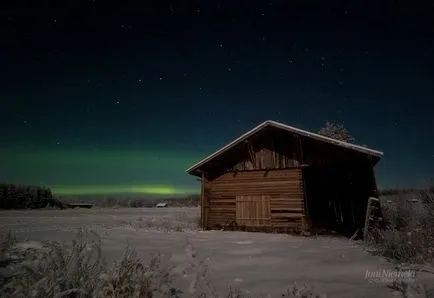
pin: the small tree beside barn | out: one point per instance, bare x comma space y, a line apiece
281, 178
337, 132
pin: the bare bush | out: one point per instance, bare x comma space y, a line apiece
7, 244
407, 290
56, 270
79, 271
304, 291
409, 233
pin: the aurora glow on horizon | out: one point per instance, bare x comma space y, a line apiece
155, 190
101, 172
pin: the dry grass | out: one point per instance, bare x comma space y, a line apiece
408, 238
170, 222
409, 233
180, 223
79, 271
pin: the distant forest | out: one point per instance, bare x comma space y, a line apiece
391, 192
26, 197
14, 196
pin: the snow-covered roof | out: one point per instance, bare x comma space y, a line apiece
271, 123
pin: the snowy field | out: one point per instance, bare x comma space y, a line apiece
257, 262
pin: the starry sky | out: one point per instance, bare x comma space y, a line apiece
101, 97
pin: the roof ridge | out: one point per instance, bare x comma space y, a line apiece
272, 122
288, 128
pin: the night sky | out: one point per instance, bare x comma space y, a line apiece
100, 97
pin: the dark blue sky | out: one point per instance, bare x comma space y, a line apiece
126, 93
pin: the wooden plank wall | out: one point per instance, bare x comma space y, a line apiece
253, 211
283, 188
265, 158
291, 151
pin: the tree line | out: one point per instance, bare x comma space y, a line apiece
14, 196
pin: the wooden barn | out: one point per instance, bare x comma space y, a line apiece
280, 178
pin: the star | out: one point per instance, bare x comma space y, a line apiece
220, 45
117, 102
139, 80
161, 78
229, 69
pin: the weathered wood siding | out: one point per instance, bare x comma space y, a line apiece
253, 211
259, 184
265, 158
280, 151
254, 199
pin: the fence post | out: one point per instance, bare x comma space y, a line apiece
368, 216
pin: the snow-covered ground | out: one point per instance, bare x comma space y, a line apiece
257, 262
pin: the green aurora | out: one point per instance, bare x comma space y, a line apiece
130, 189
101, 172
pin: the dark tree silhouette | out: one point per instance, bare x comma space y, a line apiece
26, 197
337, 132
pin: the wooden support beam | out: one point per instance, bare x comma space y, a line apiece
368, 215
373, 178
203, 210
306, 219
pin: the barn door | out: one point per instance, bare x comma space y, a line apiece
253, 211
